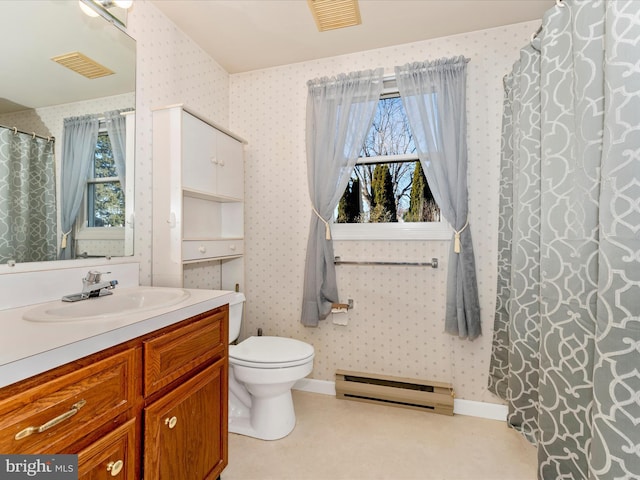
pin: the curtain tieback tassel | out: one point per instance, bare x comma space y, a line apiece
63, 241
456, 238
327, 229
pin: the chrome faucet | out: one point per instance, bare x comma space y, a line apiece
92, 286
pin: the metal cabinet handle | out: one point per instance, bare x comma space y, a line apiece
115, 467
171, 422
51, 423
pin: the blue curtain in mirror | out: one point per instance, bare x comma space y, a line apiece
117, 129
79, 138
27, 198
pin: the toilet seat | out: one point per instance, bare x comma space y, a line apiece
270, 352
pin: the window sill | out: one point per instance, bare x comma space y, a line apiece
100, 233
391, 231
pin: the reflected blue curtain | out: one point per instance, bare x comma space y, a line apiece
79, 138
116, 124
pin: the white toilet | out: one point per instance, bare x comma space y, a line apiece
262, 371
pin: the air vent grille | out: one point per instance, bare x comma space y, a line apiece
83, 65
332, 14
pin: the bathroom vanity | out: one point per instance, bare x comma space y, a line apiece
151, 401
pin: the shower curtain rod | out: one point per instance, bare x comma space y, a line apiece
15, 131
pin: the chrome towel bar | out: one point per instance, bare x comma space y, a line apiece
433, 263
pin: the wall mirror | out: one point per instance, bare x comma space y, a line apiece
49, 74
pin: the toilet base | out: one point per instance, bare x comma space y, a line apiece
260, 421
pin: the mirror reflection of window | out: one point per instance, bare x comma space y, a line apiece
104, 197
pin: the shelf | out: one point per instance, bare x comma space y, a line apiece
211, 239
189, 192
210, 259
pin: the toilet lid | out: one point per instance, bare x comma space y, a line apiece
271, 350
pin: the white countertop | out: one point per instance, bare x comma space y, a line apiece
28, 348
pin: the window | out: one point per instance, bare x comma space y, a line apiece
104, 200
388, 196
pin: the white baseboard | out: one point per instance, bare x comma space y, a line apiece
312, 385
493, 411
471, 408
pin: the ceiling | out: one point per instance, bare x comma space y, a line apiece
245, 35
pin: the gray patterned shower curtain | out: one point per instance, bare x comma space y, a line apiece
566, 347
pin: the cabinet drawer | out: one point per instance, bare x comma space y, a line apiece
202, 249
111, 457
49, 417
169, 356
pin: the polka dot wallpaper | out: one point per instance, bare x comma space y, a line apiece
171, 69
396, 325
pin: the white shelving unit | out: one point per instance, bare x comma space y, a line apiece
198, 197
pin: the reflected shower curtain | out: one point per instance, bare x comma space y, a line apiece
566, 348
27, 198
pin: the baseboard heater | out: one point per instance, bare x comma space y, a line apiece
424, 395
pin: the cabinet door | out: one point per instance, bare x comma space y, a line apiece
112, 457
200, 160
230, 167
186, 430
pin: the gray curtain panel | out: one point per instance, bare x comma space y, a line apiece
434, 97
566, 353
79, 137
27, 198
340, 112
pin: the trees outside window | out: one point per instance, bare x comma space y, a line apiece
388, 184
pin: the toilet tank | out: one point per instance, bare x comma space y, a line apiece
235, 315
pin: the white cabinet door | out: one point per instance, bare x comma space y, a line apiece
230, 167
199, 156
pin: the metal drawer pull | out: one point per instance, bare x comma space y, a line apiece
171, 422
51, 423
115, 467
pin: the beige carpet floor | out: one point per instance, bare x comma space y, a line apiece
341, 439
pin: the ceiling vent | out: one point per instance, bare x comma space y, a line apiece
83, 65
332, 14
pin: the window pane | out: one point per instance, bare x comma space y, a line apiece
105, 199
105, 205
104, 165
390, 133
386, 192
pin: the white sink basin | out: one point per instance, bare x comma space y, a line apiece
122, 302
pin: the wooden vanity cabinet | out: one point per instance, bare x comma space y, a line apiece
184, 438
115, 408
